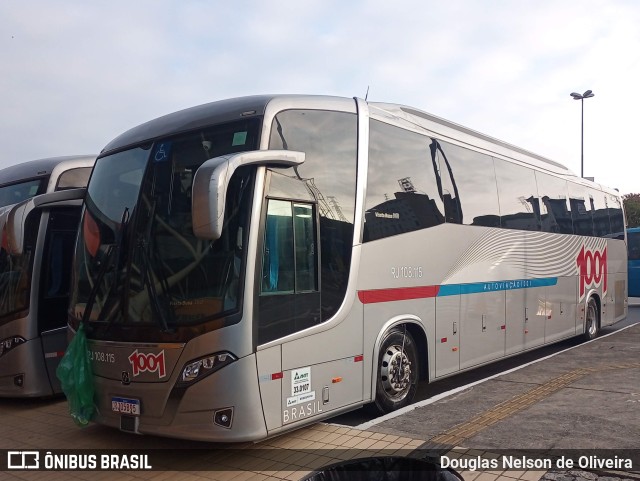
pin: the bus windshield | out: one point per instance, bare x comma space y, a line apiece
138, 263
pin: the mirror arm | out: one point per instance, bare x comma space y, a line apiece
212, 179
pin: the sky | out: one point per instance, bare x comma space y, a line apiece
76, 74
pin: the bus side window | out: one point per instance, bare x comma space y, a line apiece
289, 257
581, 210
278, 274
289, 299
518, 196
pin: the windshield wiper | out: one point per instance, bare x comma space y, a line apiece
111, 298
88, 307
160, 311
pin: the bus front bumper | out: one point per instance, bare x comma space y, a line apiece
222, 407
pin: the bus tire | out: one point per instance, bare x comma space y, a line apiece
397, 371
591, 321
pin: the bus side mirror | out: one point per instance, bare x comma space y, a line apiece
12, 220
210, 183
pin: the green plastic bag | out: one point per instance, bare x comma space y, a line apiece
76, 379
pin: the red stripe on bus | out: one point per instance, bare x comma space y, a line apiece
359, 358
397, 294
277, 375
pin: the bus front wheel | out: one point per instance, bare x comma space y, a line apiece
397, 372
592, 321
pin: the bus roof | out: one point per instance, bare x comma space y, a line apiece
245, 107
446, 128
35, 168
191, 119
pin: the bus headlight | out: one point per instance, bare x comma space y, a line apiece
9, 343
199, 368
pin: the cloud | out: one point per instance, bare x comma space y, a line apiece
81, 73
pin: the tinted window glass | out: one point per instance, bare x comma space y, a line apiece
581, 210
12, 194
402, 193
555, 213
329, 140
137, 226
615, 214
74, 178
15, 272
601, 224
289, 256
473, 181
305, 247
447, 187
518, 193
278, 265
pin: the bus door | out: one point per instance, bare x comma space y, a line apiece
289, 302
60, 227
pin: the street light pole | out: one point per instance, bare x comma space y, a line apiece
576, 96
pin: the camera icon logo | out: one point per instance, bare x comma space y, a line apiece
23, 460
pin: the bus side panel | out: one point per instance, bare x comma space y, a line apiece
54, 344
341, 341
329, 357
269, 362
447, 335
619, 297
618, 271
616, 299
309, 391
560, 309
483, 328
25, 360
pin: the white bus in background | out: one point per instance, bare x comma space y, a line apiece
40, 207
252, 265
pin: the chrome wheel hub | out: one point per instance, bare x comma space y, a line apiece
592, 323
395, 372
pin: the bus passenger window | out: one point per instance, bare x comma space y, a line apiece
581, 210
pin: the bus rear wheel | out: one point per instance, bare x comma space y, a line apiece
592, 321
397, 372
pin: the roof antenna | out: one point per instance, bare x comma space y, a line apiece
367, 94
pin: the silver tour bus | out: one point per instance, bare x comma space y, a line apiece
40, 207
252, 265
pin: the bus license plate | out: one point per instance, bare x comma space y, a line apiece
125, 406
